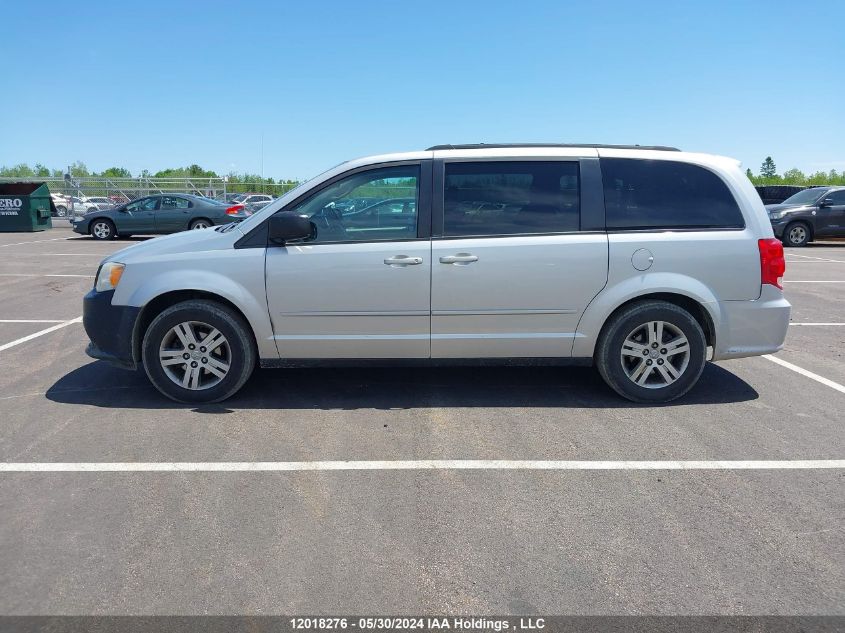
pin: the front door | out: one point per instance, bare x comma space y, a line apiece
360, 287
138, 216
512, 272
830, 219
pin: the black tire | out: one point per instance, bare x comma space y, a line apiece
238, 337
102, 229
796, 234
609, 358
200, 223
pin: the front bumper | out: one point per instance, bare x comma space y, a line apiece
778, 226
80, 227
752, 328
110, 329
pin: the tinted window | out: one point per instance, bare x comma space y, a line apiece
511, 198
172, 202
144, 204
836, 197
379, 204
645, 194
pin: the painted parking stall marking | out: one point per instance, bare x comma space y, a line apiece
804, 372
24, 339
425, 464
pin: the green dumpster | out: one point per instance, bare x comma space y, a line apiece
25, 206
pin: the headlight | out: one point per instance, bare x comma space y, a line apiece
109, 276
777, 215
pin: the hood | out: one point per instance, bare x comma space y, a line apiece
185, 242
773, 208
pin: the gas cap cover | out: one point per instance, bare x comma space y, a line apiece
642, 259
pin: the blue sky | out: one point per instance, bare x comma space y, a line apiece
159, 84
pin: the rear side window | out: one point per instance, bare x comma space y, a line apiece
511, 198
658, 194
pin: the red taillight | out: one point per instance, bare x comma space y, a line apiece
772, 263
235, 210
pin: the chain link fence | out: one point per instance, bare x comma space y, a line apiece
120, 190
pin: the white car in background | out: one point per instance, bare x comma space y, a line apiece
62, 204
83, 204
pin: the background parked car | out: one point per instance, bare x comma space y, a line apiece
253, 201
811, 213
158, 214
62, 204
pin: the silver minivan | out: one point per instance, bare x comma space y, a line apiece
643, 261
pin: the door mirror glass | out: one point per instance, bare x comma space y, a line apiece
826, 202
286, 226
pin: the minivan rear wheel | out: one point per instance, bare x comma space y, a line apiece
198, 351
651, 352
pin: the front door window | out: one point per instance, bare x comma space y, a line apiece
375, 205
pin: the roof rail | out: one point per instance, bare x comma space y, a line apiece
661, 148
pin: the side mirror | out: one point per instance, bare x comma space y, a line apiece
286, 226
827, 202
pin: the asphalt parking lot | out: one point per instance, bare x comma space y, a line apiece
621, 541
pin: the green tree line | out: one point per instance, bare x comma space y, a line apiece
768, 176
80, 170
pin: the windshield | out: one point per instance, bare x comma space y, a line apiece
808, 196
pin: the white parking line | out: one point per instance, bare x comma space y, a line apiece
821, 259
3, 348
55, 239
812, 281
58, 254
808, 374
32, 320
425, 464
817, 324
41, 275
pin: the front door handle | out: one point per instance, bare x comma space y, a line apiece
461, 259
403, 260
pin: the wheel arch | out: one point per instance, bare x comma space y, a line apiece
161, 302
696, 309
806, 221
192, 221
685, 292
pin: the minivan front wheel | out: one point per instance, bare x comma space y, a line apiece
198, 351
651, 352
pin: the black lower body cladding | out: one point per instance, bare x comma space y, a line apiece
110, 329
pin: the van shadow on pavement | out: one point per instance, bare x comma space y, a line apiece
98, 384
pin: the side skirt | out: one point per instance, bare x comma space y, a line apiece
281, 363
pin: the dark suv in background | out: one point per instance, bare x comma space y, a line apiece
810, 214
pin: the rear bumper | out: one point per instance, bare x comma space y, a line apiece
110, 329
752, 328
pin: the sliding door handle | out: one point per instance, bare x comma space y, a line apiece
460, 258
403, 260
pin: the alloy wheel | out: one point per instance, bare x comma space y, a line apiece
102, 230
797, 234
655, 354
195, 355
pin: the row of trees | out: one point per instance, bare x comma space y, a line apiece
80, 170
768, 176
